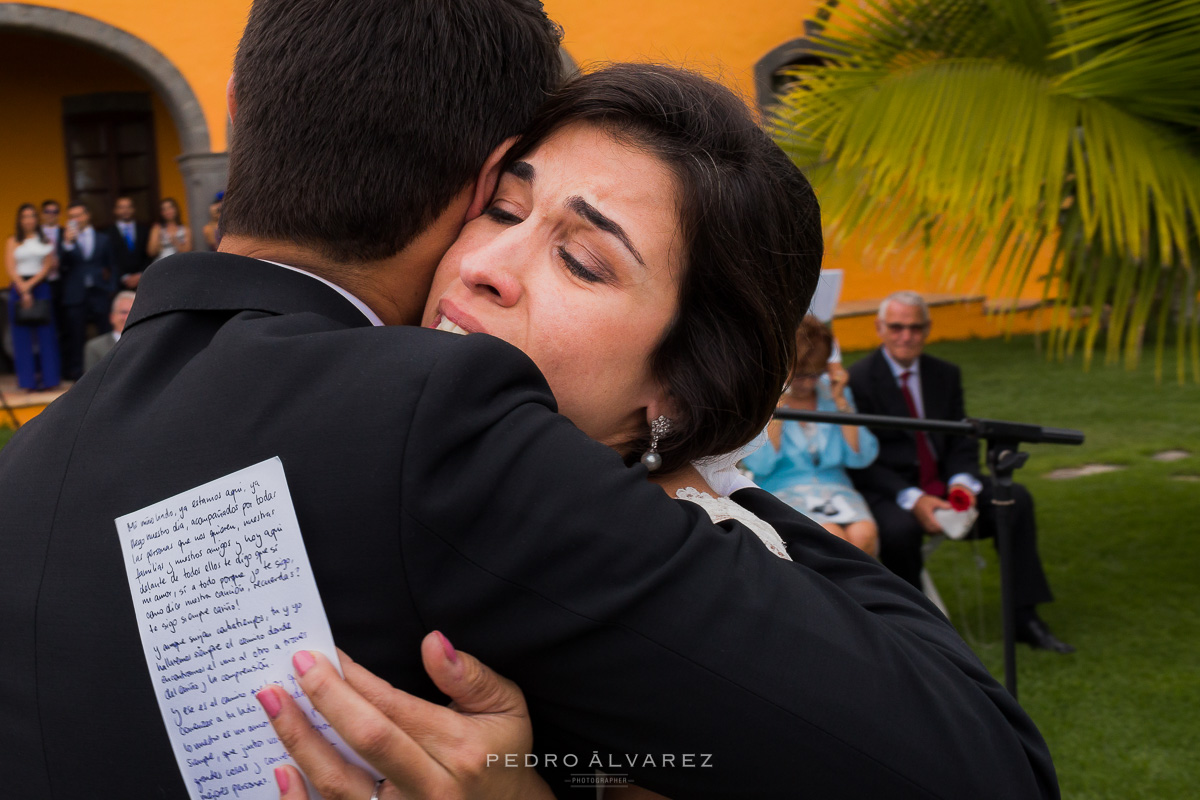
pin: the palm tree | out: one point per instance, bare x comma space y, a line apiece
995, 136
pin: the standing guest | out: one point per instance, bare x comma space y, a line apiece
212, 228
98, 347
169, 235
29, 258
89, 280
914, 472
804, 463
50, 227
129, 239
54, 234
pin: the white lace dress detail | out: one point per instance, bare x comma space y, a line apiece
722, 508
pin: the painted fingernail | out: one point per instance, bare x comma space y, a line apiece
303, 661
451, 653
270, 702
281, 778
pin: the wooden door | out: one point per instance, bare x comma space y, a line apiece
110, 155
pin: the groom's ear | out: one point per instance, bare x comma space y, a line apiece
231, 98
489, 176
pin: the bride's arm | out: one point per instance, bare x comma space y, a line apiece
538, 550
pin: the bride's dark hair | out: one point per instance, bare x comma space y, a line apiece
752, 245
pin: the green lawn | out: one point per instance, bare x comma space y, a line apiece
1122, 715
1122, 550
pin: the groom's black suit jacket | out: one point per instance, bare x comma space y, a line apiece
436, 489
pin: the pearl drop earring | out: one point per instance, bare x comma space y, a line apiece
658, 428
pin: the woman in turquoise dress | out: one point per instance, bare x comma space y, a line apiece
804, 463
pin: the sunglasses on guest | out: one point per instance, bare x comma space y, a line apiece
900, 327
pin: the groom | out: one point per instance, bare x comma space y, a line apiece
434, 484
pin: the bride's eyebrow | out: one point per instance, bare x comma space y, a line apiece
522, 170
592, 214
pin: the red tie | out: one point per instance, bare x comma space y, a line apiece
926, 461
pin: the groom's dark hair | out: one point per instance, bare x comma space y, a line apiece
358, 121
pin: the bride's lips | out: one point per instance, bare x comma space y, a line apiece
450, 318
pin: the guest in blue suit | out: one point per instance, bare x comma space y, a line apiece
89, 275
804, 464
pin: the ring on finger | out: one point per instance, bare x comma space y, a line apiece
378, 786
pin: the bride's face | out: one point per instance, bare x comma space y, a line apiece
577, 263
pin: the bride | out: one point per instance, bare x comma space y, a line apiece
652, 251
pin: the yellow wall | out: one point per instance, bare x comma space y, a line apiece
718, 37
952, 319
198, 36
36, 74
721, 38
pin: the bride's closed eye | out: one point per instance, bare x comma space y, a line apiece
573, 264
500, 215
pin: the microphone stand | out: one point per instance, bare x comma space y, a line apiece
1004, 440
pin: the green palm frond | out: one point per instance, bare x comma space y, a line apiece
1142, 56
936, 133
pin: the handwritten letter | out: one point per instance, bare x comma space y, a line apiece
225, 595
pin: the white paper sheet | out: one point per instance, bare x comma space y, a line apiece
829, 289
225, 595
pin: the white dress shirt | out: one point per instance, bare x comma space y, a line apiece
128, 232
907, 498
86, 241
371, 316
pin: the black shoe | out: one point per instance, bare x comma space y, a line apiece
1037, 635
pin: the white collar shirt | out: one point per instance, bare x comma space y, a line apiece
907, 498
87, 242
914, 380
371, 316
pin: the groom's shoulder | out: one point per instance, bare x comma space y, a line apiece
411, 371
392, 350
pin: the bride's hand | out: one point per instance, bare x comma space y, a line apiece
425, 750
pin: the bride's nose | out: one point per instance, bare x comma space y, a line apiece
494, 269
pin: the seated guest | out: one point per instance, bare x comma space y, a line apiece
803, 462
98, 347
914, 471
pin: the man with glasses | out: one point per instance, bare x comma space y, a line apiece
915, 472
54, 235
50, 226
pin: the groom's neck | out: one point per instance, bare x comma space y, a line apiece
394, 288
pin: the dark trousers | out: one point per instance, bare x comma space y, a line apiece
60, 317
95, 309
901, 536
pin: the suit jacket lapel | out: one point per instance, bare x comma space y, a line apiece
933, 394
224, 282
